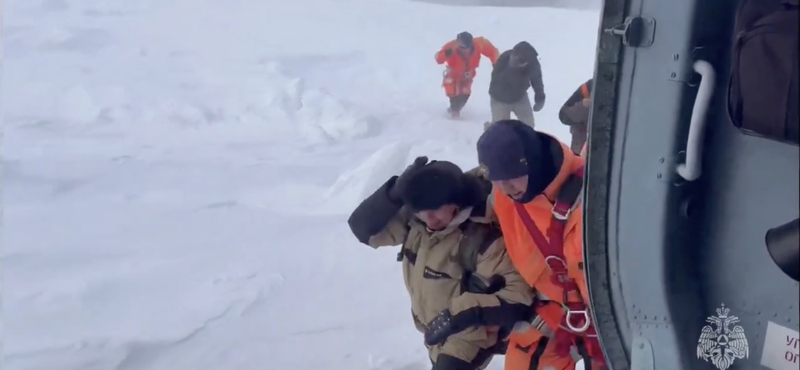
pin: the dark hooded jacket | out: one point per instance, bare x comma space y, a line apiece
509, 84
573, 113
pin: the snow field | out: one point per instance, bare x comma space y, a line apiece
177, 174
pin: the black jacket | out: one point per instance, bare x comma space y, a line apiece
573, 113
508, 84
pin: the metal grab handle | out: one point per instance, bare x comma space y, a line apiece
692, 169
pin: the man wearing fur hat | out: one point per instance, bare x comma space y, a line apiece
465, 293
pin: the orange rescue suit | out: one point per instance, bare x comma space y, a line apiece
529, 260
462, 64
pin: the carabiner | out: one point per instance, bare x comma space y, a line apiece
586, 322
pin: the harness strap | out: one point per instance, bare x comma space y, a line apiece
552, 249
585, 91
537, 354
576, 327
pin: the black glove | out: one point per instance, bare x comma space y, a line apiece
445, 325
399, 185
538, 104
448, 53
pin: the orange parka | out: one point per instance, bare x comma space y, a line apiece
460, 63
527, 257
521, 248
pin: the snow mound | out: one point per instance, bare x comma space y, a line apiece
319, 116
355, 185
267, 106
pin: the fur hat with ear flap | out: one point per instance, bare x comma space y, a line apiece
434, 185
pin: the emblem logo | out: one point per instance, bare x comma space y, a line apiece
719, 343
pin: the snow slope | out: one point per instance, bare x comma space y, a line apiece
177, 173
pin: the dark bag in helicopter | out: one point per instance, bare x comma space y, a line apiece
762, 93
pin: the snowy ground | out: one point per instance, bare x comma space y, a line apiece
177, 173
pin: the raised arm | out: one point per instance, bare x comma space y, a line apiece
379, 220
445, 52
487, 49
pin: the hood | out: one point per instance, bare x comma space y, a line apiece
526, 51
550, 160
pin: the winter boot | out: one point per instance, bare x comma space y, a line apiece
454, 113
456, 104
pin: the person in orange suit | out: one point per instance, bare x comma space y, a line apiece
537, 186
462, 57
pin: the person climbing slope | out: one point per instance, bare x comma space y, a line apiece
538, 182
462, 57
575, 114
516, 70
465, 293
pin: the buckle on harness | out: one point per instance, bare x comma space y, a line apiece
586, 321
558, 271
555, 258
559, 213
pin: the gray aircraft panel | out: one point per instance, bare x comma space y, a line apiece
664, 253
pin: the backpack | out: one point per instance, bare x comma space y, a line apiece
762, 91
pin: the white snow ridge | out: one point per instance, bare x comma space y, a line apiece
358, 183
318, 116
177, 174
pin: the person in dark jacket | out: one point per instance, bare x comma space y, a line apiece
515, 71
575, 114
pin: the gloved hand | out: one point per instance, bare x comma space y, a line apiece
538, 104
399, 185
448, 53
445, 325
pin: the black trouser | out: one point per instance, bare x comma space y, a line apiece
579, 136
458, 102
446, 362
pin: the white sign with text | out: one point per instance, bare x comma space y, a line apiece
780, 348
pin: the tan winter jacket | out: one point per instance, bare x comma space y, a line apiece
433, 274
